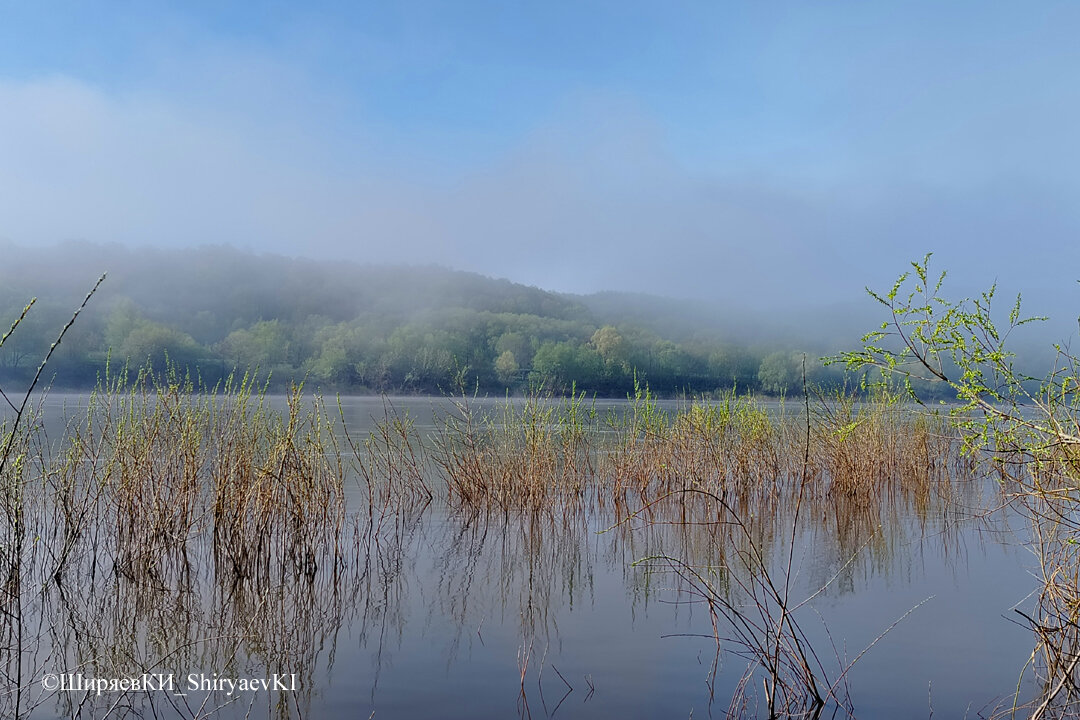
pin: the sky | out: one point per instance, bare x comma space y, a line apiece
784, 154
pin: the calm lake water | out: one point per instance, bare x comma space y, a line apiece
451, 614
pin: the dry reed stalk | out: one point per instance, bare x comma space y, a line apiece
527, 457
278, 501
390, 463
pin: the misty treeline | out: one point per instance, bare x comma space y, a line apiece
357, 328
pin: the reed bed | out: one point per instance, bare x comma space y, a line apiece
532, 454
166, 467
543, 452
153, 484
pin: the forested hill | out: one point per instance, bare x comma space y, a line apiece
358, 328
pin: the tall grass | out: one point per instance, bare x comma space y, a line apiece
532, 454
153, 482
543, 450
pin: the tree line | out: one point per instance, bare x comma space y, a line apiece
355, 328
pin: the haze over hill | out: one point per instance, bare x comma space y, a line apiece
161, 280
375, 328
764, 156
371, 328
758, 163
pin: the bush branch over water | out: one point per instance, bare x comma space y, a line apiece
1027, 429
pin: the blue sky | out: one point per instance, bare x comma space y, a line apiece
788, 152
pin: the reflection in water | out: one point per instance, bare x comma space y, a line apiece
404, 602
508, 574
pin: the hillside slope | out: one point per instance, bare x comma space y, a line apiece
361, 328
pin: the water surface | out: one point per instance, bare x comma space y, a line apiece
443, 612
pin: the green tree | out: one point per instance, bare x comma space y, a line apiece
153, 342
518, 343
559, 366
609, 343
778, 373
506, 368
265, 344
